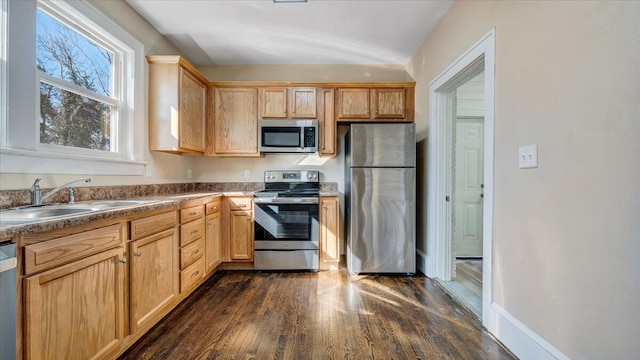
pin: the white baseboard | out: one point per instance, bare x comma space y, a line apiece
421, 261
518, 338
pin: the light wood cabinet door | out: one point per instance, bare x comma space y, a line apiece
153, 277
389, 103
177, 106
241, 236
302, 103
329, 238
327, 123
213, 242
235, 129
193, 97
76, 311
353, 103
273, 103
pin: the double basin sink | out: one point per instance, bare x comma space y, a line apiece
51, 212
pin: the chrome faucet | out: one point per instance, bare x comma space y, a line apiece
36, 193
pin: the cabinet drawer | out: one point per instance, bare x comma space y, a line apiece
213, 207
190, 253
153, 224
240, 203
190, 214
191, 275
191, 232
49, 254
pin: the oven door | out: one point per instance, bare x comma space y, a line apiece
286, 226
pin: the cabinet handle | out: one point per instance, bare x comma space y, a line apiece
248, 218
193, 213
324, 207
242, 205
195, 273
123, 260
209, 223
194, 231
215, 208
137, 253
195, 252
376, 112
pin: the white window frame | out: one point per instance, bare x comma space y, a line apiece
20, 148
3, 70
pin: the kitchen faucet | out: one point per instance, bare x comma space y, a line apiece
36, 193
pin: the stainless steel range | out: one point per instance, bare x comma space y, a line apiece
286, 221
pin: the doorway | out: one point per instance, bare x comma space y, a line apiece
467, 186
444, 221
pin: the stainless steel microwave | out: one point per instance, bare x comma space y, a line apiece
288, 136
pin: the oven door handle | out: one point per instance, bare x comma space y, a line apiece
286, 201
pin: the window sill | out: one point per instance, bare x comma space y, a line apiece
32, 162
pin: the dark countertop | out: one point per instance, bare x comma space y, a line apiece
7, 231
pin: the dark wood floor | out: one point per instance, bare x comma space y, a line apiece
325, 315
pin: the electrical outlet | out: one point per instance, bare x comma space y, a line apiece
149, 173
189, 174
247, 174
528, 157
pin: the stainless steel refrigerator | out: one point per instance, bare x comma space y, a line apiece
380, 179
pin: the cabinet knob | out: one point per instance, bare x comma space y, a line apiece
209, 223
193, 213
242, 205
248, 218
194, 231
195, 273
123, 260
195, 252
137, 253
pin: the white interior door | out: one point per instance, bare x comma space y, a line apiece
469, 155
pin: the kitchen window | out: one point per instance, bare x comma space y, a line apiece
87, 106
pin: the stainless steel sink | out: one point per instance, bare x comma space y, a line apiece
48, 212
43, 212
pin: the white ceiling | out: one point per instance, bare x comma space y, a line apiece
223, 32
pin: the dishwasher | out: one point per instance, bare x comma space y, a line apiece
7, 300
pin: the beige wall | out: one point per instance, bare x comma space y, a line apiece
304, 73
567, 234
164, 167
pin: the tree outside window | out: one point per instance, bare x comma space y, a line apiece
77, 104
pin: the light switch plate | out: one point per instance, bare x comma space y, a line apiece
247, 174
528, 157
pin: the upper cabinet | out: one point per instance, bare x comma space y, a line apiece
177, 106
327, 122
287, 103
375, 104
233, 122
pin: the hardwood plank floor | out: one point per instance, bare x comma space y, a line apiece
325, 315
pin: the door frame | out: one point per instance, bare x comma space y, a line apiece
479, 57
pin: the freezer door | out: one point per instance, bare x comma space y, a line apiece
382, 145
381, 233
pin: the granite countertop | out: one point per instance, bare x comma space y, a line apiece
8, 231
329, 193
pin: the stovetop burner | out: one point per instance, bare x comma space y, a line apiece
295, 185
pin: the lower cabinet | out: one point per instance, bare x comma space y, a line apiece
241, 235
153, 277
213, 242
329, 238
76, 311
